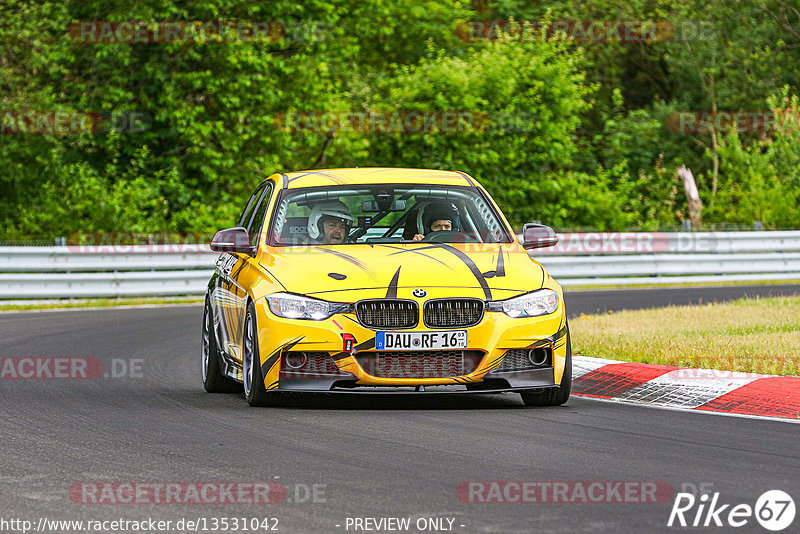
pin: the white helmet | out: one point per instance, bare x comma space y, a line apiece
331, 208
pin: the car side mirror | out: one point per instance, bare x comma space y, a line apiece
232, 240
538, 236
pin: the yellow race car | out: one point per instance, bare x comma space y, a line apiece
379, 280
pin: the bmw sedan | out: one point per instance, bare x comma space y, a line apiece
382, 280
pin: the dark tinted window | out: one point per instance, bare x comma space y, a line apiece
251, 205
254, 228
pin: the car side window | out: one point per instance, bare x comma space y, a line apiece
257, 221
251, 205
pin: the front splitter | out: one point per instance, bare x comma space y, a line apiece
530, 380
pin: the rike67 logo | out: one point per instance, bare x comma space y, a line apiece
774, 510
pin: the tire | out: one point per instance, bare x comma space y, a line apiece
555, 396
213, 379
252, 376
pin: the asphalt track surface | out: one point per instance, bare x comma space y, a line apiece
398, 456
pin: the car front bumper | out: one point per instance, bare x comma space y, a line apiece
493, 336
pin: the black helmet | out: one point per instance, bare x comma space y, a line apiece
439, 211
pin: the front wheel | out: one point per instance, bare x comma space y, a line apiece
213, 379
554, 397
252, 375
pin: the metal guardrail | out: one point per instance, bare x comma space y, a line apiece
628, 258
579, 259
116, 258
671, 268
104, 271
116, 284
600, 243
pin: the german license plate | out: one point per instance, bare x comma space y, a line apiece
443, 340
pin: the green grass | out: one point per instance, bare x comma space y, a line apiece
759, 335
96, 303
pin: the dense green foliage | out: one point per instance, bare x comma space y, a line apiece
576, 132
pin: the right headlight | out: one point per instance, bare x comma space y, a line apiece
539, 302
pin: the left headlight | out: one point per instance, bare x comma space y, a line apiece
539, 302
297, 307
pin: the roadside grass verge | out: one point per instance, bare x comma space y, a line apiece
756, 335
95, 303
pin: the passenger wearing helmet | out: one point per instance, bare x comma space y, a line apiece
438, 217
330, 222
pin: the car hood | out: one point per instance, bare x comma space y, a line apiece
353, 272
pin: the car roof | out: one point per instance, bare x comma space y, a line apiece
374, 175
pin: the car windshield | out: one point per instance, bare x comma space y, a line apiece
341, 215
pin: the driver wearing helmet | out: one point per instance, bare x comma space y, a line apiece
329, 222
438, 217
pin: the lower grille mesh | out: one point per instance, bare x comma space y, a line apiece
308, 363
423, 364
517, 360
